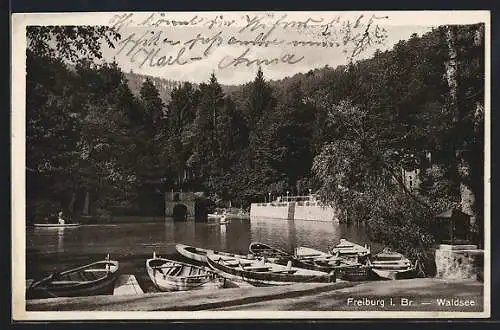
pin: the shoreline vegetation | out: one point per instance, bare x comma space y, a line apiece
390, 141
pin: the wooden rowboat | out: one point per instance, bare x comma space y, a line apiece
346, 249
262, 272
259, 249
170, 275
281, 257
192, 252
392, 265
93, 279
57, 225
347, 269
198, 254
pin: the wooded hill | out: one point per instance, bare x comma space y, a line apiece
165, 87
344, 132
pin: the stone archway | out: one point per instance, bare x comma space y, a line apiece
180, 212
184, 212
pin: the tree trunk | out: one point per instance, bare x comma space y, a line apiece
452, 73
71, 206
86, 203
467, 196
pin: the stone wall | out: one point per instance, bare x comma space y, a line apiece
293, 211
266, 210
315, 212
459, 262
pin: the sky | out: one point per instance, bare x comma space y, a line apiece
131, 52
190, 46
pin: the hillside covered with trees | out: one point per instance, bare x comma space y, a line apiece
95, 145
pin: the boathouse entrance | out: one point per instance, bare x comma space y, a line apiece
179, 212
180, 206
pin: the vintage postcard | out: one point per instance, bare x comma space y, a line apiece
276, 165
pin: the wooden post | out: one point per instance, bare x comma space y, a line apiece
86, 203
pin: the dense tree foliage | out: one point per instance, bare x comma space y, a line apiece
345, 132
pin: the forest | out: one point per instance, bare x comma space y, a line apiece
93, 146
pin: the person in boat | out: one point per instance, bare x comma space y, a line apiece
60, 218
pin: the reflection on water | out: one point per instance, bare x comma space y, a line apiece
60, 239
135, 240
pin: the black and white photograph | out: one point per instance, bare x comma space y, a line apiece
277, 165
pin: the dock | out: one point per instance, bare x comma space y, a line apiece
300, 296
127, 285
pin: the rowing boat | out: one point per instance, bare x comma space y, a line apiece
301, 260
170, 275
263, 272
191, 252
96, 278
196, 253
392, 265
350, 250
57, 225
347, 269
259, 249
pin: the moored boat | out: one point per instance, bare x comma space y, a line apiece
263, 272
170, 275
303, 258
96, 278
191, 252
57, 225
347, 269
346, 249
259, 249
196, 253
392, 265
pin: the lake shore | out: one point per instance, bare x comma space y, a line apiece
424, 294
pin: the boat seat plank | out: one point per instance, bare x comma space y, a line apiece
67, 282
186, 271
91, 276
196, 276
176, 271
77, 276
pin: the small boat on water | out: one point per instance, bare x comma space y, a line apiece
213, 216
306, 260
57, 225
392, 265
97, 278
259, 249
347, 269
197, 254
223, 219
346, 249
170, 275
240, 215
262, 272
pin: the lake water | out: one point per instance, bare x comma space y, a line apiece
52, 249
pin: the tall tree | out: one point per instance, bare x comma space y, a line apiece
206, 151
